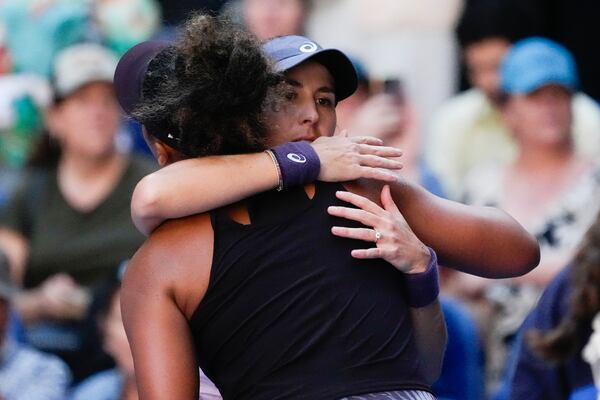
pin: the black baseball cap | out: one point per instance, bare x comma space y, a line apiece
129, 80
131, 70
292, 50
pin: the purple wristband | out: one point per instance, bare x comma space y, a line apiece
423, 288
298, 163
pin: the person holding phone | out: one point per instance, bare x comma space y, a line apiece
382, 109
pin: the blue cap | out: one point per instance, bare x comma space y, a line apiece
290, 51
535, 62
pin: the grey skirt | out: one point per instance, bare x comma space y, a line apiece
396, 395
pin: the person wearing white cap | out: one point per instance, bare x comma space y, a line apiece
68, 224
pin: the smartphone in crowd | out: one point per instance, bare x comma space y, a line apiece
394, 87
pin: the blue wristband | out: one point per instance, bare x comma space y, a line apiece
423, 288
298, 163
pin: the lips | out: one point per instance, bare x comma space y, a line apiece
307, 138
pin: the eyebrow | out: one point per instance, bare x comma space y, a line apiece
324, 89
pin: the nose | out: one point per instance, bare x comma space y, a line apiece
309, 114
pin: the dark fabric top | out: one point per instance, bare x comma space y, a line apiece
289, 314
530, 377
86, 245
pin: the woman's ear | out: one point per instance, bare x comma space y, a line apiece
163, 153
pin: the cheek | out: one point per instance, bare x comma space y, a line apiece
278, 125
328, 122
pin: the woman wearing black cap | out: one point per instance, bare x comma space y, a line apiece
272, 303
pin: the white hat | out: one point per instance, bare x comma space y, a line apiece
81, 64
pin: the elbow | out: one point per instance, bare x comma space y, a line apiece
530, 256
519, 251
144, 204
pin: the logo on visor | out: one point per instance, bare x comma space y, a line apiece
297, 158
308, 47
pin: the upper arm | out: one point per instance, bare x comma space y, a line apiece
160, 341
164, 283
198, 185
483, 241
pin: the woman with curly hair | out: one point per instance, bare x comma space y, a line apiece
271, 303
547, 358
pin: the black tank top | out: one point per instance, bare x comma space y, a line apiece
289, 314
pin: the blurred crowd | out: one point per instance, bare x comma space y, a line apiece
494, 102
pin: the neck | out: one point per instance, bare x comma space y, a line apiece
82, 166
549, 158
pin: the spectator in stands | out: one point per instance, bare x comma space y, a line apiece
38, 29
571, 23
383, 110
406, 39
175, 12
124, 23
117, 383
68, 226
549, 188
24, 97
468, 130
25, 373
547, 362
267, 19
271, 18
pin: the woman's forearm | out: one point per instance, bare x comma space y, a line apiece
431, 337
482, 241
197, 185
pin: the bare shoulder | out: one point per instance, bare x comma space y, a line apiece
175, 260
402, 191
368, 188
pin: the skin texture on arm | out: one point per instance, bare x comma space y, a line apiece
482, 241
163, 285
198, 185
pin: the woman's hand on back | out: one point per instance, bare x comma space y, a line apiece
394, 240
348, 158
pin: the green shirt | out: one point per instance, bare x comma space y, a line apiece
86, 245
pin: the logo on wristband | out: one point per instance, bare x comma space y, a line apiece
297, 158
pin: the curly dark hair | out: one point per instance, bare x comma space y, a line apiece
561, 342
208, 89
